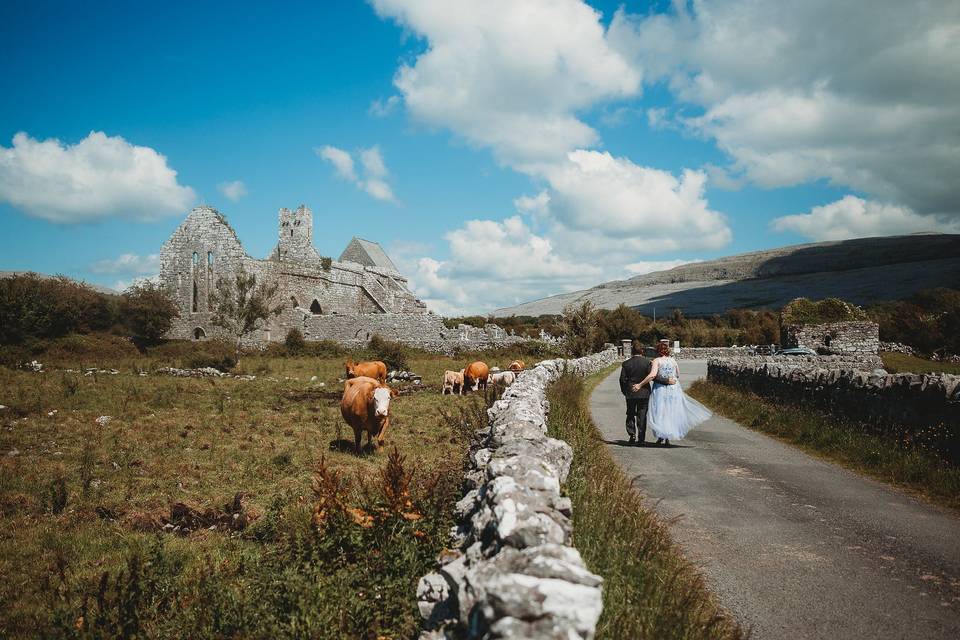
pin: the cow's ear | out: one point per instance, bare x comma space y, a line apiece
393, 392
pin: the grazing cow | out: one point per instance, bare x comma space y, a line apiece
475, 375
373, 369
452, 382
516, 366
506, 378
366, 407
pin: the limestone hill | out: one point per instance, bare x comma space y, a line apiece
863, 271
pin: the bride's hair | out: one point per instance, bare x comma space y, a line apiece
663, 349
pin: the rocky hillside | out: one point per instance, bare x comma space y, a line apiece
863, 271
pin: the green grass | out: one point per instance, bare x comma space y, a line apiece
650, 590
915, 469
327, 544
903, 363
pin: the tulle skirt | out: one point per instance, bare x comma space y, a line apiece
671, 414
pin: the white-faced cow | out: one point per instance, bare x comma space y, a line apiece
366, 407
452, 382
506, 378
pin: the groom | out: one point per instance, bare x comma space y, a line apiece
632, 372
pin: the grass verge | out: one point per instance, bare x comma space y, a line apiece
650, 590
818, 432
903, 363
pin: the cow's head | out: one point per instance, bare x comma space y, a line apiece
381, 401
348, 365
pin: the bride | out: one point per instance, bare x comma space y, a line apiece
671, 414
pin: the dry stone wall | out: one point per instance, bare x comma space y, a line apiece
514, 573
842, 338
911, 408
705, 353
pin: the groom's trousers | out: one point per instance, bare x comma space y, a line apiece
637, 417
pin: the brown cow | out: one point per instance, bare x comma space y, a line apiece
452, 382
373, 369
516, 366
475, 375
366, 407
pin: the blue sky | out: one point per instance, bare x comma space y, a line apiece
500, 151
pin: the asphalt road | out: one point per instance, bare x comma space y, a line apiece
794, 547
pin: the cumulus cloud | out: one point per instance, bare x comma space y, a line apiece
793, 94
537, 206
128, 264
493, 264
597, 192
510, 76
375, 174
383, 108
99, 177
233, 190
123, 285
853, 217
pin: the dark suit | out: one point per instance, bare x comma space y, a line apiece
633, 371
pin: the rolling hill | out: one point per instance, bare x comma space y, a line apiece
863, 271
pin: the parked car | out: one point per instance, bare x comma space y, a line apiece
796, 351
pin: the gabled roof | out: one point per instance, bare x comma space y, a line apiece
367, 253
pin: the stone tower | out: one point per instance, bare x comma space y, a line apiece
296, 235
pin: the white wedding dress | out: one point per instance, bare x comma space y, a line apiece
671, 414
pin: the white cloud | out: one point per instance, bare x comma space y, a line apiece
510, 75
599, 193
99, 177
794, 93
233, 190
853, 217
128, 264
537, 206
375, 171
341, 161
383, 108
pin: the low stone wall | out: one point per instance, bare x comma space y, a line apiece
860, 362
910, 408
897, 347
705, 353
514, 573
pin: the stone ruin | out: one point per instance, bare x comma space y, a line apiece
861, 337
347, 300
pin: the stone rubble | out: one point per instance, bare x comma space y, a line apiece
514, 573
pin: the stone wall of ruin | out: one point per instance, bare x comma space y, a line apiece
835, 337
514, 573
920, 409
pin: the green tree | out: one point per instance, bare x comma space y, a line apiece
241, 305
581, 329
147, 310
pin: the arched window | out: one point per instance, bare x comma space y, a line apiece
199, 334
291, 233
196, 258
827, 339
194, 296
209, 258
315, 308
294, 302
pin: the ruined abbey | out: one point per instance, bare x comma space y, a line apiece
347, 300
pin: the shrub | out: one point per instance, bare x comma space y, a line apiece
294, 341
35, 307
218, 354
804, 311
147, 310
581, 329
394, 354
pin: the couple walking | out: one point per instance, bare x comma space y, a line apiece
668, 412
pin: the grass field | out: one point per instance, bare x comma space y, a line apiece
902, 363
915, 469
219, 507
649, 590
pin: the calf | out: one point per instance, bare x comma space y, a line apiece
373, 369
452, 382
475, 375
516, 366
366, 407
506, 378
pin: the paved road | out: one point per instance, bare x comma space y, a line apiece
795, 547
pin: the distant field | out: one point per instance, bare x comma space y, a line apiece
323, 543
902, 363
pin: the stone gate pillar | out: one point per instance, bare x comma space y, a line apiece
627, 348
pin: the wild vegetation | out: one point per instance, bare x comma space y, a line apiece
909, 465
158, 506
649, 590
